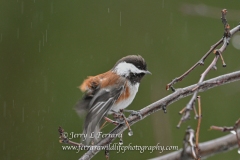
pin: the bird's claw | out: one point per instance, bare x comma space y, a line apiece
135, 113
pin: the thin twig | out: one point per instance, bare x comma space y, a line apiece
229, 129
166, 101
225, 23
223, 129
189, 142
223, 18
209, 148
200, 62
64, 139
188, 107
218, 53
198, 126
227, 33
195, 112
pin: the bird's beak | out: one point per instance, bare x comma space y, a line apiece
147, 72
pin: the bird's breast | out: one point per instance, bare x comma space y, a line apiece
126, 98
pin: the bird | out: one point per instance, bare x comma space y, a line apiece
109, 92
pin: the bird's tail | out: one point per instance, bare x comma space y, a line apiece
91, 137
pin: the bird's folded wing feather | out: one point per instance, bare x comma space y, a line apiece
100, 105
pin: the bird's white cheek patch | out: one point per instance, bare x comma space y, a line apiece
124, 68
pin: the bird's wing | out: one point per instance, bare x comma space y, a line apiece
90, 87
100, 105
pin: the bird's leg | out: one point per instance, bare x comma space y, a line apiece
118, 116
111, 121
132, 112
121, 115
124, 117
121, 118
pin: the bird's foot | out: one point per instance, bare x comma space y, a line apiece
132, 112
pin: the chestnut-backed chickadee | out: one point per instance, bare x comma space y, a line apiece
109, 92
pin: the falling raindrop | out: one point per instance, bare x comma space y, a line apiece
46, 35
52, 7
45, 84
130, 133
18, 33
1, 38
120, 19
233, 132
162, 3
4, 109
108, 10
43, 41
13, 103
3, 145
22, 7
34, 1
39, 44
171, 18
186, 28
23, 114
120, 141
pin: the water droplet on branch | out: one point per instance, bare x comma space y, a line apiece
130, 133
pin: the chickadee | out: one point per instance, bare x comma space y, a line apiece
110, 92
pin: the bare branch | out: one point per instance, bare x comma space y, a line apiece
208, 148
225, 23
200, 62
198, 126
189, 138
223, 129
237, 124
233, 129
218, 53
164, 102
63, 138
189, 106
227, 34
223, 18
189, 142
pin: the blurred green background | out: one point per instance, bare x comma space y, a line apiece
47, 48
